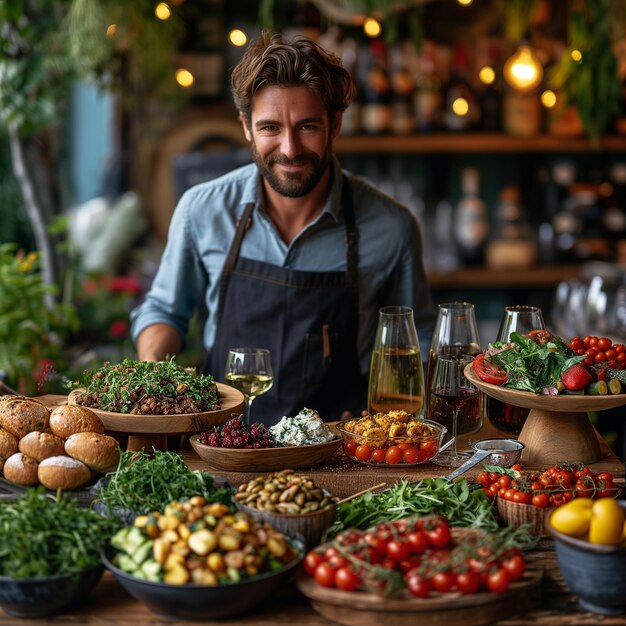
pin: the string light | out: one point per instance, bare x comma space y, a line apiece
237, 37
372, 27
184, 78
523, 70
548, 99
465, 3
460, 106
163, 11
576, 55
486, 75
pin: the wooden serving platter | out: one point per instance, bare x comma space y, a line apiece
148, 431
557, 428
449, 609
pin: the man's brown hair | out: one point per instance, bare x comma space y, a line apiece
270, 60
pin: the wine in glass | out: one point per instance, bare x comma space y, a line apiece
250, 371
450, 393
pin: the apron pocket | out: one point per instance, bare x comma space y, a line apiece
320, 349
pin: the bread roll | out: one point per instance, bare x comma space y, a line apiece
63, 472
96, 451
69, 419
20, 415
8, 444
21, 469
41, 445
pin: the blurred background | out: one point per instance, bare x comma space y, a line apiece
500, 123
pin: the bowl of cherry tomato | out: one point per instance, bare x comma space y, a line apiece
391, 450
599, 350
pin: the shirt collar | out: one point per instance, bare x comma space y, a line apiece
252, 190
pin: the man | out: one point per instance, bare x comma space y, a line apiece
289, 253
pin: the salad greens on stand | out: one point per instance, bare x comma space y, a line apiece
533, 366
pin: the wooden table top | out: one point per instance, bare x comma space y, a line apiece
109, 603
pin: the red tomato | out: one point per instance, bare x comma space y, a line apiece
504, 481
418, 541
398, 550
378, 455
325, 575
346, 579
483, 479
393, 455
428, 449
499, 580
540, 500
489, 372
522, 497
410, 455
311, 561
444, 581
418, 586
350, 447
363, 453
468, 582
515, 566
439, 536
604, 343
404, 445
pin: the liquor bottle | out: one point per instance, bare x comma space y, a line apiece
490, 98
402, 88
376, 107
471, 227
461, 112
428, 94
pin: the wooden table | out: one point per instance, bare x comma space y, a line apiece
110, 604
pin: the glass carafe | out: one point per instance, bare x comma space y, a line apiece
455, 335
516, 319
396, 371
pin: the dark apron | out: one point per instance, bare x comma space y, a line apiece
308, 320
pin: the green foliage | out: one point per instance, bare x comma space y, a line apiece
31, 335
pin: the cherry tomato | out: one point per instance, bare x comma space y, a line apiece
517, 467
411, 455
311, 561
489, 372
444, 581
418, 541
468, 582
418, 586
398, 550
378, 455
363, 452
346, 579
493, 489
350, 447
483, 479
541, 500
604, 343
428, 449
619, 347
393, 455
515, 566
439, 536
522, 497
325, 575
592, 342
599, 358
498, 580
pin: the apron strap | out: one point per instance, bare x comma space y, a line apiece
352, 236
243, 223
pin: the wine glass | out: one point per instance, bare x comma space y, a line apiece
520, 319
250, 371
450, 393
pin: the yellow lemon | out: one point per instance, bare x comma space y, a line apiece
607, 522
572, 518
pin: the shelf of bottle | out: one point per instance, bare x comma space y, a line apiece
538, 277
472, 143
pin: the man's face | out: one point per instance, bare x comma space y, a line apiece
291, 138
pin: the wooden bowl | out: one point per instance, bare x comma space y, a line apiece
515, 514
310, 527
264, 459
151, 430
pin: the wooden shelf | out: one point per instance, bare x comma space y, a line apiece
542, 276
473, 143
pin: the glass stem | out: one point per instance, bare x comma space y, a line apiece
248, 410
455, 415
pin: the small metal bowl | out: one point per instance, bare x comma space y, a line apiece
503, 452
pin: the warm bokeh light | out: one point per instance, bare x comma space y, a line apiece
237, 37
184, 78
576, 55
460, 106
548, 99
111, 30
465, 3
163, 11
487, 75
372, 27
523, 70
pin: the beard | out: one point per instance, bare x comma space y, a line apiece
292, 184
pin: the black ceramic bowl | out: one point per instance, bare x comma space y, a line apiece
595, 573
40, 597
203, 602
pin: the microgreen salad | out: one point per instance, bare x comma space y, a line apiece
535, 366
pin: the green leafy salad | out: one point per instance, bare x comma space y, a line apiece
42, 537
533, 366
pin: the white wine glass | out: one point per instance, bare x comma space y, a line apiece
250, 371
450, 393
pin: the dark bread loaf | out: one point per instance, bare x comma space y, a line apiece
70, 419
20, 415
63, 472
98, 452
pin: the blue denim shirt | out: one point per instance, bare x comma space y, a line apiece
203, 225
